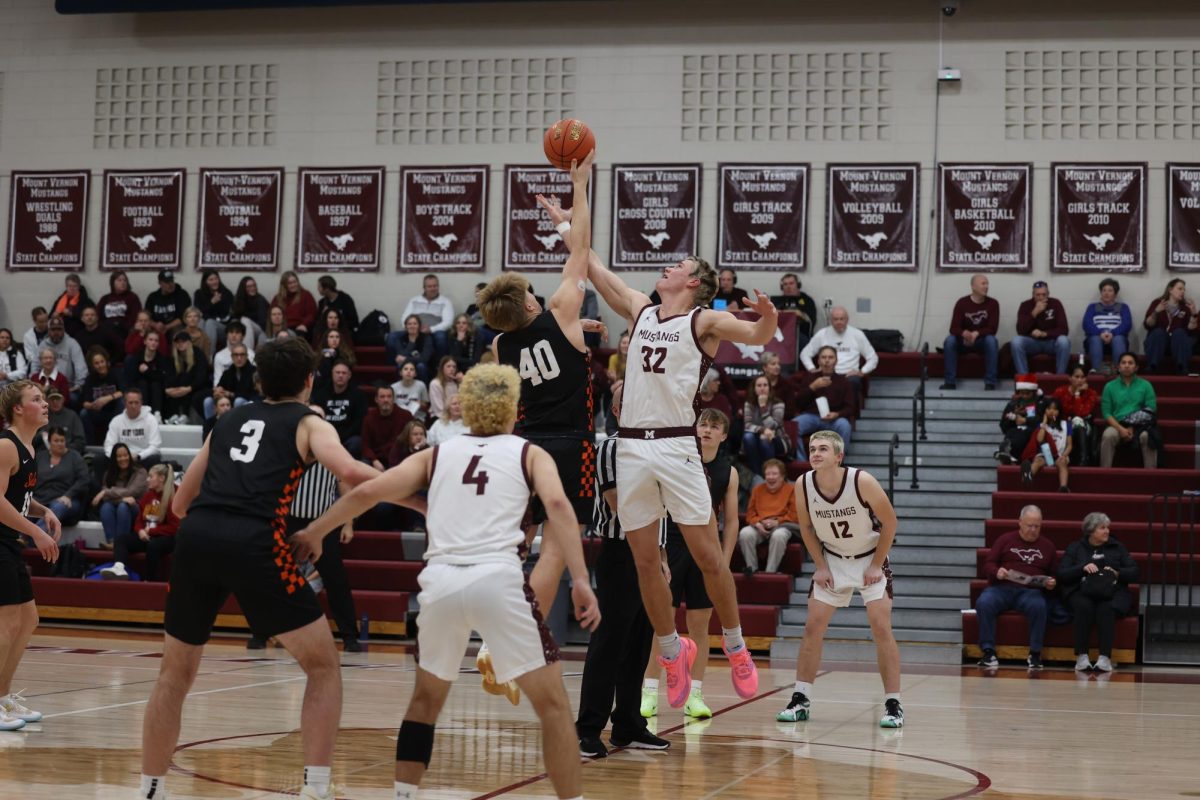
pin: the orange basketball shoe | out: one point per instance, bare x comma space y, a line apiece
483, 663
743, 672
679, 672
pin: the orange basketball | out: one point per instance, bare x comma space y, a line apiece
568, 140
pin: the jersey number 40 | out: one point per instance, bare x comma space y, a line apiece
538, 363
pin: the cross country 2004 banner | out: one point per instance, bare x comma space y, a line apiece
983, 217
871, 216
339, 219
530, 241
655, 214
1183, 217
443, 214
142, 225
239, 219
764, 215
1099, 218
47, 220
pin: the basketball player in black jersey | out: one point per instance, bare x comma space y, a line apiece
234, 503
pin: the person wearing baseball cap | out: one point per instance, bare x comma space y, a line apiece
167, 304
63, 417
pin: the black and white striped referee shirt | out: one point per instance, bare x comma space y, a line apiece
317, 491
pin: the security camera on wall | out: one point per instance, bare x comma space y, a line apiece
949, 7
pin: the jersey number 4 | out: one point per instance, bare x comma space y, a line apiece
249, 449
470, 476
538, 364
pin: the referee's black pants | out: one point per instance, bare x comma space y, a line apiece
617, 651
337, 582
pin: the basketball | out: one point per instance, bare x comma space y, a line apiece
567, 140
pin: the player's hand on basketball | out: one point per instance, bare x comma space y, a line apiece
581, 171
587, 608
761, 305
872, 575
823, 578
306, 545
558, 214
47, 545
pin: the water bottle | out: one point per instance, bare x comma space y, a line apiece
1046, 453
364, 628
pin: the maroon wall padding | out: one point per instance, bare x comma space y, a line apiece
1012, 629
383, 576
1074, 506
1063, 531
756, 621
1094, 480
792, 564
978, 585
379, 545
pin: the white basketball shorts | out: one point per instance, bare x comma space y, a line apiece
848, 578
657, 476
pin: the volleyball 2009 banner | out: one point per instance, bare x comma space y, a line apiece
871, 216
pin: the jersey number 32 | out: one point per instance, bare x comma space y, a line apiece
538, 363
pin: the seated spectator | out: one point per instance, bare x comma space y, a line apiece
449, 424
1171, 321
464, 345
771, 513
32, 339
1079, 403
120, 306
69, 305
1106, 323
443, 386
47, 375
1050, 445
299, 307
1095, 574
973, 326
710, 394
728, 296
588, 309
13, 366
783, 390
489, 334
411, 394
435, 312
1015, 558
147, 372
277, 327
340, 302
1018, 418
332, 348
617, 360
67, 355
413, 439
330, 320
123, 485
763, 437
166, 305
344, 406
235, 334
135, 342
791, 300
215, 304
382, 427
62, 479
1130, 408
186, 380
153, 530
136, 429
411, 345
835, 412
94, 332
220, 406
856, 358
236, 384
193, 326
1041, 328
62, 417
252, 310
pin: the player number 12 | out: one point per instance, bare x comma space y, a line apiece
844, 533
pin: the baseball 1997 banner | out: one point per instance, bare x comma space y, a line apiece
443, 221
983, 217
47, 220
240, 212
871, 216
1099, 218
340, 219
764, 215
143, 219
530, 241
1183, 217
745, 361
655, 214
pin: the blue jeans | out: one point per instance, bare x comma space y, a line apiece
998, 599
1025, 346
984, 344
210, 405
809, 423
1157, 343
756, 450
117, 518
65, 516
1095, 349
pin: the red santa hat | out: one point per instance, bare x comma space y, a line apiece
1027, 383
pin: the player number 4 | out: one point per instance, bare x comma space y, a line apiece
249, 449
538, 364
470, 476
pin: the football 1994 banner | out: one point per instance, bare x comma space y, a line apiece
47, 220
871, 216
340, 219
1099, 218
443, 218
1183, 217
655, 214
240, 212
530, 241
764, 215
142, 224
983, 217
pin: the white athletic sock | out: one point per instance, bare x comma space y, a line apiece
670, 645
650, 684
892, 696
153, 786
733, 639
317, 778
804, 688
697, 686
405, 791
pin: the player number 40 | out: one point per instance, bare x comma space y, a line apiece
538, 363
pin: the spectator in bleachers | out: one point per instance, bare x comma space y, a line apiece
331, 320
411, 394
135, 342
13, 366
1106, 323
334, 347
220, 406
166, 305
277, 327
1017, 420
449, 424
1171, 321
413, 439
1041, 328
770, 514
32, 339
193, 326
147, 372
215, 303
382, 426
101, 397
70, 304
835, 389
345, 407
589, 309
783, 389
62, 417
1050, 445
728, 296
235, 335
1020, 571
411, 345
137, 429
710, 394
67, 354
94, 332
62, 479
1130, 408
186, 380
237, 382
443, 386
339, 302
120, 306
153, 530
856, 358
1095, 573
299, 307
252, 310
1079, 403
973, 326
617, 360
763, 437
434, 310
482, 328
464, 345
47, 376
123, 485
791, 300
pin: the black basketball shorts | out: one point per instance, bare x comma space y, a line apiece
687, 581
15, 586
575, 457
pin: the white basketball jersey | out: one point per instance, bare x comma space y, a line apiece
478, 492
663, 371
844, 522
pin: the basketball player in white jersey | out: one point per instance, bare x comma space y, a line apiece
848, 526
659, 466
479, 487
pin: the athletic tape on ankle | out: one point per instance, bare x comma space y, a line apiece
414, 742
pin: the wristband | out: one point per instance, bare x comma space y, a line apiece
563, 227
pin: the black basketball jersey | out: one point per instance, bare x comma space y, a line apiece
253, 464
556, 378
717, 471
20, 484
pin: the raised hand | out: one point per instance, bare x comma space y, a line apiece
761, 304
558, 214
581, 171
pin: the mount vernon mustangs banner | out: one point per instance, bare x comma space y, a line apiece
764, 214
1099, 218
655, 214
443, 215
530, 241
1183, 217
239, 219
871, 216
745, 361
47, 220
339, 221
983, 217
143, 219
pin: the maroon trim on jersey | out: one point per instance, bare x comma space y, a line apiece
637, 318
549, 647
655, 433
857, 490
842, 488
525, 465
804, 494
696, 339
887, 576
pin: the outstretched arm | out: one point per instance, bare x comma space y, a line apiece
724, 325
620, 298
568, 298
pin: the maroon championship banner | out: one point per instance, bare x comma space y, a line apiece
530, 241
744, 361
47, 222
1183, 217
339, 219
871, 216
443, 218
656, 209
142, 226
983, 217
1099, 218
763, 216
240, 212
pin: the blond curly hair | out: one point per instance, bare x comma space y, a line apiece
488, 396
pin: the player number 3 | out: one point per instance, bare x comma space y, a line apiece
254, 432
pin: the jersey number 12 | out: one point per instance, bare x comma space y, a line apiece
538, 363
253, 429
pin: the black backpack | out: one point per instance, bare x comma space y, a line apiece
885, 340
373, 329
71, 562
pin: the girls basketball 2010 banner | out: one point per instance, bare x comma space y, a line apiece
142, 224
764, 215
655, 214
1183, 217
443, 218
240, 211
340, 219
47, 220
530, 241
983, 217
1099, 218
871, 216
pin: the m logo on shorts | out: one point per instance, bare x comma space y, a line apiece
649, 434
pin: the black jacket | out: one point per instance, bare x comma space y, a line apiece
1110, 554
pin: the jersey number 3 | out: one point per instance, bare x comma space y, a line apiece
249, 449
538, 364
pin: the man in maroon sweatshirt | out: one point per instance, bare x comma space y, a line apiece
382, 427
973, 327
1041, 328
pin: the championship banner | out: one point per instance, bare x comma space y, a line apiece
530, 241
763, 216
143, 219
443, 218
47, 222
983, 217
1099, 218
656, 209
871, 216
240, 212
1183, 217
339, 221
745, 361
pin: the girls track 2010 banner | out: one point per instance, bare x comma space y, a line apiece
530, 241
142, 224
983, 217
764, 215
1183, 217
1099, 218
871, 216
47, 220
340, 219
655, 214
240, 212
443, 218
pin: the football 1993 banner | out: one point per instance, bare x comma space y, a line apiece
339, 219
764, 214
443, 218
47, 220
1099, 218
655, 214
240, 212
871, 216
983, 217
142, 224
530, 241
1183, 217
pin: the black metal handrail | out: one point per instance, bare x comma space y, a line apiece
893, 467
918, 414
1173, 522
